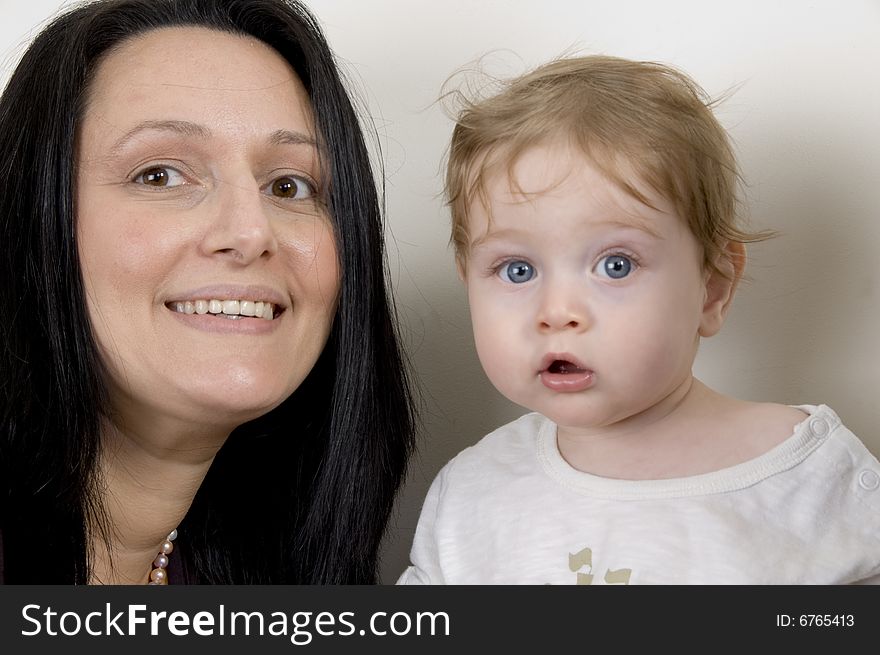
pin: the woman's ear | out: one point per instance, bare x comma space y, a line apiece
721, 286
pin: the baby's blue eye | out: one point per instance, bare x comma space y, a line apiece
615, 267
517, 272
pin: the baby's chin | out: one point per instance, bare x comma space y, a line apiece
573, 417
584, 412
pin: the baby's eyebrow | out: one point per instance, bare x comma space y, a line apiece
494, 235
630, 222
634, 223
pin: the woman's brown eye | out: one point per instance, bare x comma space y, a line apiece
160, 177
291, 187
284, 188
155, 177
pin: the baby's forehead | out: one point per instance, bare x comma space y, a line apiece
545, 167
561, 176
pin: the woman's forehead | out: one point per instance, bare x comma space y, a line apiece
199, 56
220, 81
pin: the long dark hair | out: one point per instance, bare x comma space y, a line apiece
301, 495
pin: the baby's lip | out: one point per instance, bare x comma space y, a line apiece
574, 364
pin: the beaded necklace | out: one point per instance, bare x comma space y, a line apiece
159, 575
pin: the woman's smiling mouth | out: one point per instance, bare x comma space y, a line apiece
230, 309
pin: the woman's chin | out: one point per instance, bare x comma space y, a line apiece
234, 407
221, 405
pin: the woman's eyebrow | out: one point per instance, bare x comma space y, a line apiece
289, 137
185, 128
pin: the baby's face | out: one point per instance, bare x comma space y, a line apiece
586, 304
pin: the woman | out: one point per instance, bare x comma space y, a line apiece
187, 205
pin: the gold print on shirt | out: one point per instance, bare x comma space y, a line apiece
620, 576
584, 560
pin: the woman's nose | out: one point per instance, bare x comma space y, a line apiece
240, 227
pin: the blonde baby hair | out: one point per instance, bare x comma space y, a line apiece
629, 118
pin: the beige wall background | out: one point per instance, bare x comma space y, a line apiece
806, 122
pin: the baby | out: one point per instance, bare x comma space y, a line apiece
594, 221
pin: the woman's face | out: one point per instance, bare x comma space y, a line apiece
208, 258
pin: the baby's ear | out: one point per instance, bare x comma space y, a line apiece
461, 267
720, 287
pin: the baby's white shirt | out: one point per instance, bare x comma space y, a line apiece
511, 510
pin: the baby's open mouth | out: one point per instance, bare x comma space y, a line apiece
563, 366
228, 309
562, 372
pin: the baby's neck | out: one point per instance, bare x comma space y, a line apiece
692, 432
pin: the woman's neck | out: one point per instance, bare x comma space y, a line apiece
149, 476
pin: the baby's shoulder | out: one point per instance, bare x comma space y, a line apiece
508, 447
760, 427
772, 419
763, 426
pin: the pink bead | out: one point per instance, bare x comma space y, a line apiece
159, 576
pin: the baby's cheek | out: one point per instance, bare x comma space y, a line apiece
490, 350
665, 358
496, 351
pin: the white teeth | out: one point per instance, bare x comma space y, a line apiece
227, 308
